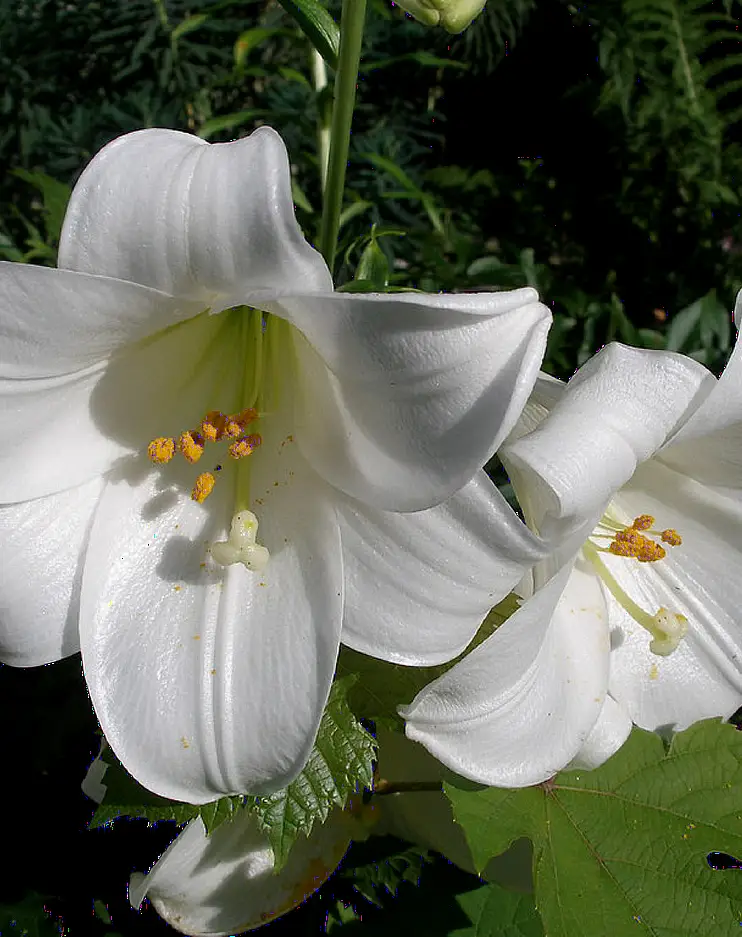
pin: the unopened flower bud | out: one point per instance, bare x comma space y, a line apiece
453, 15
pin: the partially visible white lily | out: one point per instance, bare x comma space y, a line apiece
225, 883
633, 471
190, 322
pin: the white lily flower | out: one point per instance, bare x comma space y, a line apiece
209, 620
633, 471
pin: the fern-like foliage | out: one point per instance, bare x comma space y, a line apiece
672, 64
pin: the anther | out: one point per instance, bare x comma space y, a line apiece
191, 445
243, 447
161, 450
236, 422
672, 537
643, 522
202, 489
212, 425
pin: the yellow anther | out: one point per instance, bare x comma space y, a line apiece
244, 446
643, 522
202, 488
672, 537
161, 449
191, 445
650, 551
212, 425
236, 422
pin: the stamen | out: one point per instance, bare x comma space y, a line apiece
161, 450
244, 446
238, 421
212, 425
643, 522
192, 446
203, 487
672, 537
241, 547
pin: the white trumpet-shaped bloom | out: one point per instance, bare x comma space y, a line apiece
208, 455
633, 471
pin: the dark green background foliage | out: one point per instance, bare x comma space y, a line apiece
591, 150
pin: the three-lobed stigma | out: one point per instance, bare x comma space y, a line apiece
241, 547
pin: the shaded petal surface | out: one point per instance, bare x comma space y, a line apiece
53, 322
417, 586
42, 547
519, 708
407, 396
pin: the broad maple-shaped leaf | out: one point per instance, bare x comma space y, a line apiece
622, 850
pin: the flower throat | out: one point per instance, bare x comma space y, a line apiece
234, 431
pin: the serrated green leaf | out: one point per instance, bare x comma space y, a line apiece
126, 798
626, 844
385, 864
317, 25
341, 763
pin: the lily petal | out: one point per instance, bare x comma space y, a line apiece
607, 736
417, 586
59, 432
211, 680
698, 579
42, 545
53, 322
207, 221
209, 886
519, 708
709, 445
617, 411
407, 396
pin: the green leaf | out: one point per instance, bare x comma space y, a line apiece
373, 265
228, 122
341, 763
190, 24
55, 195
382, 875
125, 797
317, 25
496, 912
251, 39
27, 918
626, 844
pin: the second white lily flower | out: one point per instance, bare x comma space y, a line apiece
633, 473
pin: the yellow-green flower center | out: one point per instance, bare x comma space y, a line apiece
232, 436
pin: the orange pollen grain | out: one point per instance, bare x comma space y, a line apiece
236, 422
202, 488
191, 445
672, 537
643, 522
244, 446
161, 449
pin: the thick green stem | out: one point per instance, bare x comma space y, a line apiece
351, 34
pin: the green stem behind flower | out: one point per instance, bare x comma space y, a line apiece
351, 34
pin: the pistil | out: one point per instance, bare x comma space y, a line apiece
634, 542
